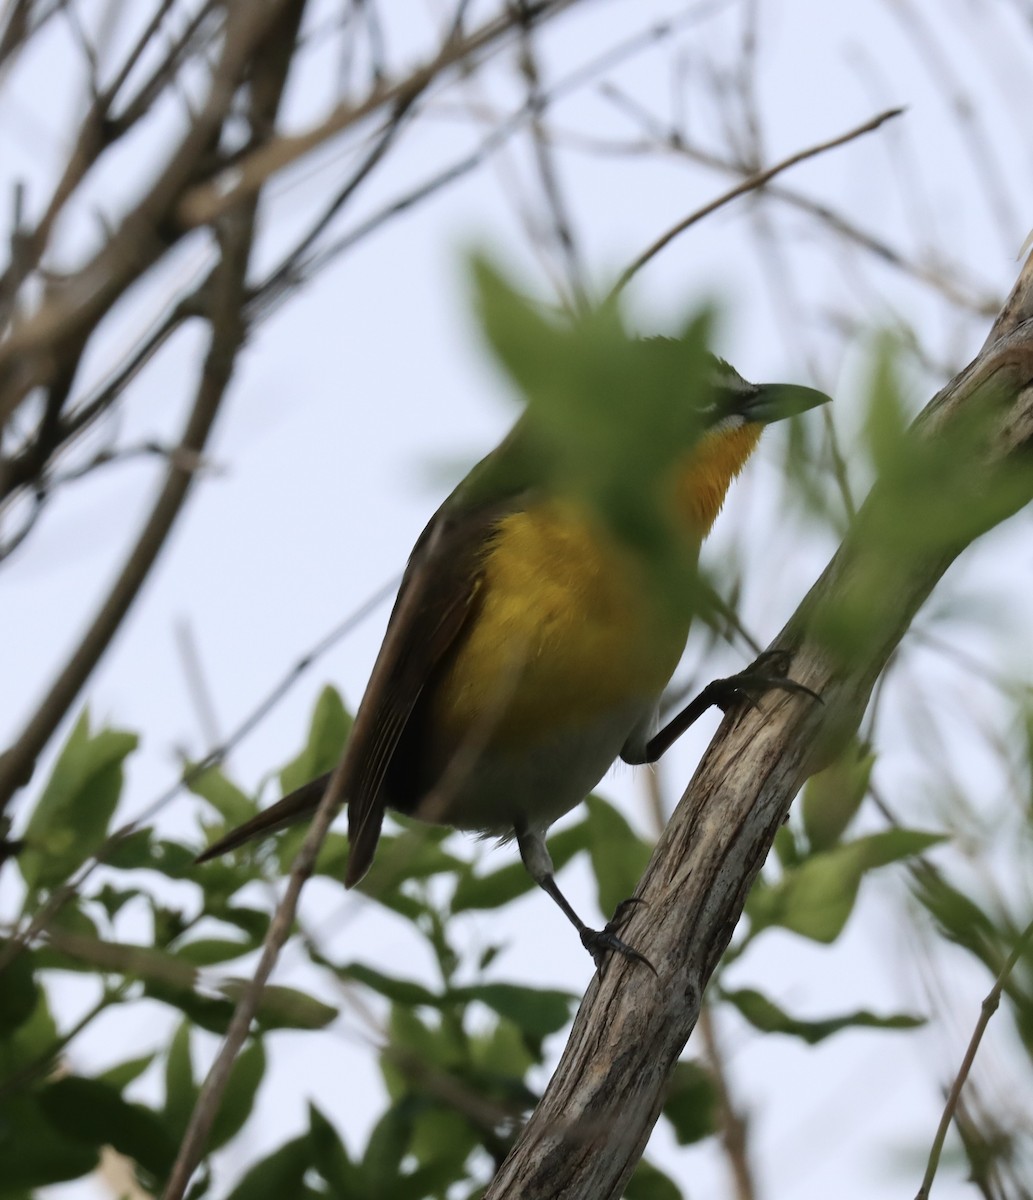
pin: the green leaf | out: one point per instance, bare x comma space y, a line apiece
87, 1110
816, 898
650, 1183
131, 851
32, 1040
329, 1156
414, 854
328, 732
33, 1152
203, 952
75, 951
18, 991
537, 1011
619, 856
832, 797
442, 1046
123, 1074
401, 991
180, 1089
281, 1174
239, 1097
962, 920
608, 418
691, 1103
234, 806
71, 817
503, 1051
386, 1148
765, 1015
502, 886
283, 1007
253, 921
113, 900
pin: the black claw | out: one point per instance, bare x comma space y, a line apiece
767, 673
600, 942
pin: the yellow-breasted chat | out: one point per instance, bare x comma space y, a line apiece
533, 636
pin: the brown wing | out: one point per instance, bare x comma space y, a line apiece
437, 597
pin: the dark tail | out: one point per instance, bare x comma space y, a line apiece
300, 804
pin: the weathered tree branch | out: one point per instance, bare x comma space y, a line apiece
228, 329
587, 1134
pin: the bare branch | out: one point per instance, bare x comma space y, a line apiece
752, 183
204, 203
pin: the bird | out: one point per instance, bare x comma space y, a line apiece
526, 651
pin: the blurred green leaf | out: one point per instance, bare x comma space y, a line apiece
387, 1146
412, 1039
71, 817
180, 1089
113, 900
444, 1137
74, 951
234, 806
691, 1103
329, 1156
832, 797
400, 991
253, 921
123, 1074
18, 991
502, 886
765, 1015
283, 1007
619, 856
537, 1011
34, 1153
816, 898
602, 420
279, 1175
328, 731
936, 473
203, 952
86, 1110
961, 919
131, 851
786, 847
650, 1183
30, 1041
502, 1051
238, 1099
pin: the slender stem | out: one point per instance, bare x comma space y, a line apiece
733, 1123
986, 1011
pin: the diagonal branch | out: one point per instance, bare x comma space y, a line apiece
592, 1124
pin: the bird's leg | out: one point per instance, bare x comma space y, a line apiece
767, 672
597, 942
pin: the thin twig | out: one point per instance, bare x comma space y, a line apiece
733, 1124
205, 202
192, 1147
986, 1011
750, 184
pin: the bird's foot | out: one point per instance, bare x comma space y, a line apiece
600, 942
768, 672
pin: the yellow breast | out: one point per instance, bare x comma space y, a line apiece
567, 629
565, 632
